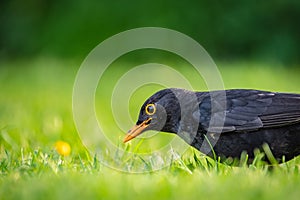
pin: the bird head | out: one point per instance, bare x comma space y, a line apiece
160, 112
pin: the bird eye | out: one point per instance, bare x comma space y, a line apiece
150, 109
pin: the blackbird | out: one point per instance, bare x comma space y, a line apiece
225, 122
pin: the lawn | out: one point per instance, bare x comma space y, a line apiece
36, 113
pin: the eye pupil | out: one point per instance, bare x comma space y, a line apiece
150, 109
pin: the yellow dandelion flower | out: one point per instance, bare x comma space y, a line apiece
63, 148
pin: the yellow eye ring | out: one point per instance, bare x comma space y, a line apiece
150, 109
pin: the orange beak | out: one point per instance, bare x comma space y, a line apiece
136, 130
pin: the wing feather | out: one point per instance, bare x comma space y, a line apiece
248, 110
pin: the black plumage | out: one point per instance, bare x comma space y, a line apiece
232, 121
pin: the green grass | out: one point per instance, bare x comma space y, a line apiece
36, 111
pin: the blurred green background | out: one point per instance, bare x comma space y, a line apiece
255, 44
233, 29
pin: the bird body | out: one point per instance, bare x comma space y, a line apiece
229, 121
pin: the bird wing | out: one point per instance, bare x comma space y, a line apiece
247, 110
